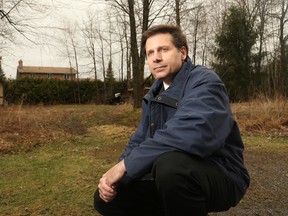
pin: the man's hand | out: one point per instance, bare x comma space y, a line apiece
108, 182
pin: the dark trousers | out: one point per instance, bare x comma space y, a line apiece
183, 185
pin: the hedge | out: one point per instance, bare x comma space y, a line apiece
52, 91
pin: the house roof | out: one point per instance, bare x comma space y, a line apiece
50, 70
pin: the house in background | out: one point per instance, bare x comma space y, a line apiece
36, 72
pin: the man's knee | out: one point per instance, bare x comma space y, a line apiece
163, 170
170, 169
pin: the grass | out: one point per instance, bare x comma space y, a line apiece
56, 179
51, 158
56, 169
263, 115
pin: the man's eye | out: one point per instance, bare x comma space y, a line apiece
149, 54
164, 49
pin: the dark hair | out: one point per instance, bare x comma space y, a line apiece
178, 38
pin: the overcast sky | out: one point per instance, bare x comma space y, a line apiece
40, 54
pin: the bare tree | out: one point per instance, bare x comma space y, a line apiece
197, 21
177, 11
90, 39
194, 23
283, 19
122, 44
73, 41
17, 24
70, 44
136, 62
128, 51
18, 16
122, 33
263, 8
101, 43
138, 58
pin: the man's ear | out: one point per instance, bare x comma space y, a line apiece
183, 52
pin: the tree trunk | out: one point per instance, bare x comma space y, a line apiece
138, 60
177, 10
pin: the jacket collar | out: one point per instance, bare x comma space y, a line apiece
175, 89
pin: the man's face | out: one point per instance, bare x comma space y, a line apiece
163, 58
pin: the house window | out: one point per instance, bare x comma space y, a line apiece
50, 76
67, 76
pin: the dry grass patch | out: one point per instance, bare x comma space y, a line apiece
26, 127
263, 116
115, 131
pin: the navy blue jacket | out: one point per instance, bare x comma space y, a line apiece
193, 115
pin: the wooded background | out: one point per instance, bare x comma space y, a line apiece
244, 41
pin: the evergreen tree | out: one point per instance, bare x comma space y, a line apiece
110, 80
233, 53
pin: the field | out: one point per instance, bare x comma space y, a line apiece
51, 157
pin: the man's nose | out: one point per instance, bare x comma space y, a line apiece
157, 56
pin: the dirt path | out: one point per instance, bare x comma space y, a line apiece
268, 191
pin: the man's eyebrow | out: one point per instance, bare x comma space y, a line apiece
149, 51
159, 47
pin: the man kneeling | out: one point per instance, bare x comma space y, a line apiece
186, 156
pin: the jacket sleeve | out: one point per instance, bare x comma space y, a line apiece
199, 127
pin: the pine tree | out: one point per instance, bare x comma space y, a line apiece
233, 53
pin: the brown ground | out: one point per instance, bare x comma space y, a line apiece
268, 191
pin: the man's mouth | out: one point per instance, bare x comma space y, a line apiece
159, 68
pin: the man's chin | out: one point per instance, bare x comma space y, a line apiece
160, 75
